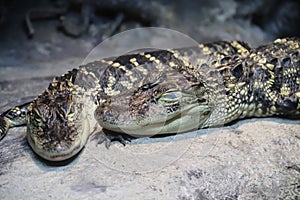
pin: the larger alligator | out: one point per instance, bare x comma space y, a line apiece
159, 92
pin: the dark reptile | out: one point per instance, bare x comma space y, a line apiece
166, 91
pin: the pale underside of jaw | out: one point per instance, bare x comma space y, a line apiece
187, 119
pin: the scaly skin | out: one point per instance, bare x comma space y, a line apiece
168, 91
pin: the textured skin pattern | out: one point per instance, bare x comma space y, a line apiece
161, 92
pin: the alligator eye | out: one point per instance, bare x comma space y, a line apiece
171, 96
206, 112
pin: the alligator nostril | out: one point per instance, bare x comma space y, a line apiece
61, 148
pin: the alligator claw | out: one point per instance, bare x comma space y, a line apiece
107, 137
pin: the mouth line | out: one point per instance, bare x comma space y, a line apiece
157, 120
60, 156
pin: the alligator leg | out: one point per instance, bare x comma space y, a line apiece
15, 116
107, 137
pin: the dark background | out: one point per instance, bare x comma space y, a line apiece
62, 29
